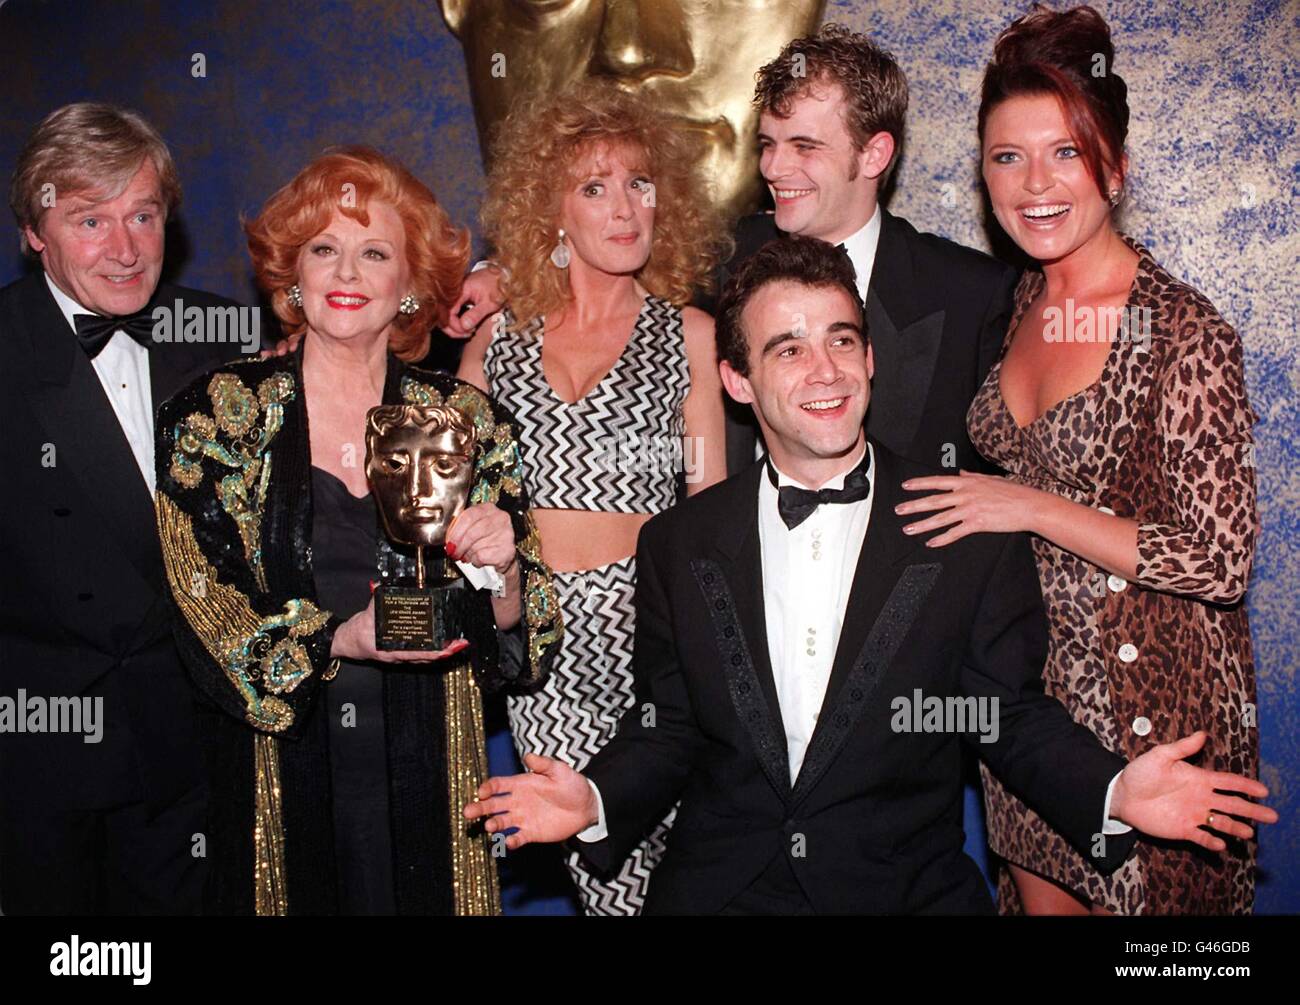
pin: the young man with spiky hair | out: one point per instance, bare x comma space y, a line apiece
832, 109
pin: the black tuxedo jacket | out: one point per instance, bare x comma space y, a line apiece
873, 823
85, 608
937, 313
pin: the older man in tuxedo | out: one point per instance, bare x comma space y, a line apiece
805, 670
101, 811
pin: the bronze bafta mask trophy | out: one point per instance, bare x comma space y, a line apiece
420, 462
695, 61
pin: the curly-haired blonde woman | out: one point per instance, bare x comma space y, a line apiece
604, 234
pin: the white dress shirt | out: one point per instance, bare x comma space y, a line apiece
807, 575
861, 247
122, 367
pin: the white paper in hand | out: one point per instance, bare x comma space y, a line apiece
483, 579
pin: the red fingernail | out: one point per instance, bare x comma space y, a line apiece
451, 550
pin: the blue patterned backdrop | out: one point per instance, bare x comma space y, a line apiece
1214, 174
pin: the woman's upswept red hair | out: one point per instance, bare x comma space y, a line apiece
346, 179
1069, 55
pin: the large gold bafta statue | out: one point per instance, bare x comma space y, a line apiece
420, 464
693, 58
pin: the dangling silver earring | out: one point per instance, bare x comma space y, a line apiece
409, 304
1115, 196
294, 293
560, 253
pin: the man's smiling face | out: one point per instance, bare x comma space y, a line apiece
809, 374
106, 254
821, 185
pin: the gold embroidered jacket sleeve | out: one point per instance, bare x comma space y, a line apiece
234, 522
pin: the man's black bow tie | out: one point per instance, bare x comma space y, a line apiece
94, 330
796, 505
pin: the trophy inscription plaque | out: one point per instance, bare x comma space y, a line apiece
420, 462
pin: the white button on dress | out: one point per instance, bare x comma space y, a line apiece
1142, 725
1128, 652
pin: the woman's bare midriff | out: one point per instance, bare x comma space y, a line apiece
573, 540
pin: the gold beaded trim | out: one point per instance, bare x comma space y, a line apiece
475, 885
270, 881
231, 631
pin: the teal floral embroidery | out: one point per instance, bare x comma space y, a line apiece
415, 393
499, 469
233, 404
282, 665
232, 439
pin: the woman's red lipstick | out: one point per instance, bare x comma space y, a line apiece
343, 301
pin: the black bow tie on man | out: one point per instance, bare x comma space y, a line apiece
94, 331
796, 505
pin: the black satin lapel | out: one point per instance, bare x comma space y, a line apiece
907, 335
745, 576
883, 337
884, 547
164, 380
741, 638
172, 365
739, 544
89, 442
906, 360
888, 630
53, 345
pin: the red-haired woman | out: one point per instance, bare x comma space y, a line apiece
336, 786
1119, 410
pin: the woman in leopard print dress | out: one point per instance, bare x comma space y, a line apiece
1119, 411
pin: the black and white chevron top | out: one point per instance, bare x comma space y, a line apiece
617, 450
